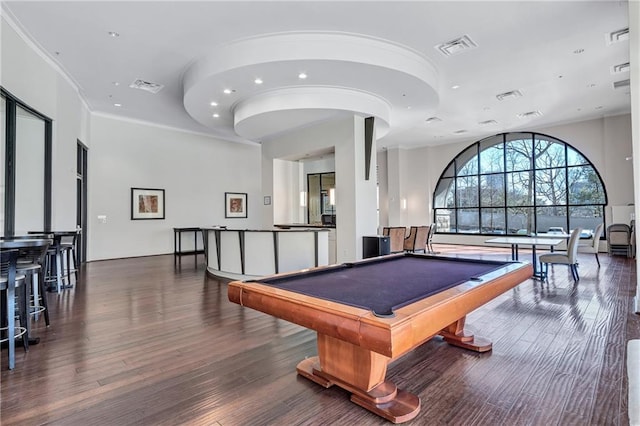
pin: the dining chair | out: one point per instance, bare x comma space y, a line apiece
594, 244
417, 239
570, 258
396, 236
432, 231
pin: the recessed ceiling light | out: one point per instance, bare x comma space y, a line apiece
458, 132
591, 85
302, 76
433, 120
578, 51
258, 81
213, 103
216, 115
228, 91
409, 107
117, 105
455, 86
115, 83
113, 34
488, 122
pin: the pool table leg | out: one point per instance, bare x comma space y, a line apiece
454, 334
361, 372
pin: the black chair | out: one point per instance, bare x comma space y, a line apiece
12, 288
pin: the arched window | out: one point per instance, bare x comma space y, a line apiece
518, 183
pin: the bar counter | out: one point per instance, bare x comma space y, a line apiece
247, 253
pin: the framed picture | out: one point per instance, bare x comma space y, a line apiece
147, 203
235, 205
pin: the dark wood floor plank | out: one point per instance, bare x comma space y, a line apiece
138, 342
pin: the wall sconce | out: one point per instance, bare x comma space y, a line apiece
403, 203
332, 196
303, 199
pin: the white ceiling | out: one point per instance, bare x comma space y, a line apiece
373, 58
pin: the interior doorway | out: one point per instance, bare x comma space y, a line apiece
81, 201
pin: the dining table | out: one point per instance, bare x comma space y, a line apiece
516, 241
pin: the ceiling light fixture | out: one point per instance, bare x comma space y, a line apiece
213, 103
258, 81
455, 86
488, 122
578, 51
459, 132
227, 91
216, 115
302, 76
431, 120
117, 105
113, 34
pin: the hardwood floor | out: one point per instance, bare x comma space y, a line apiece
138, 342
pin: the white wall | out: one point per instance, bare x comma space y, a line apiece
355, 197
35, 80
606, 142
195, 171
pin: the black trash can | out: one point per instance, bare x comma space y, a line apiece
376, 245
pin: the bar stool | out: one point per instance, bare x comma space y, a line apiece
68, 253
31, 260
12, 284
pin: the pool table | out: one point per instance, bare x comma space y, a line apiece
370, 312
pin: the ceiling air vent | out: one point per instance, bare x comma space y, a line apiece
617, 36
145, 85
620, 68
509, 95
530, 114
621, 84
456, 46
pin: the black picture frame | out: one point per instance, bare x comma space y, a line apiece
147, 203
235, 205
